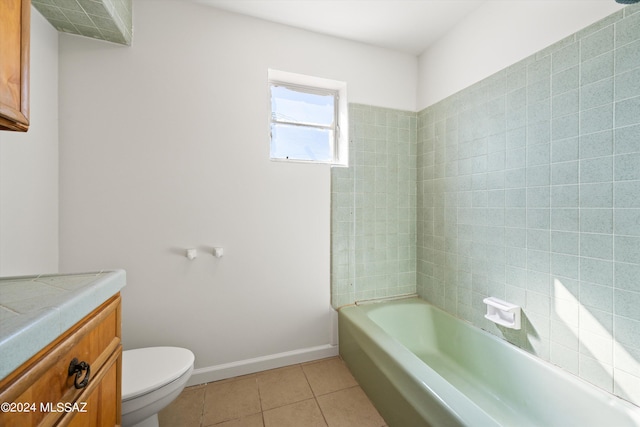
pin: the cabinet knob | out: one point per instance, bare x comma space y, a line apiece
76, 367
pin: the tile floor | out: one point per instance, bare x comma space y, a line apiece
322, 393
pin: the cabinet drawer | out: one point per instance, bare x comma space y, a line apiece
44, 379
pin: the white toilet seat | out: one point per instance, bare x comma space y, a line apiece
147, 369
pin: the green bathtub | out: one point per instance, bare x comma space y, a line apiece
423, 367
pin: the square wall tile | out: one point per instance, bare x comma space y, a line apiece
597, 43
596, 220
627, 112
626, 276
596, 195
626, 194
627, 58
596, 271
598, 68
596, 245
627, 304
626, 84
596, 144
597, 373
627, 30
627, 222
627, 249
563, 219
626, 385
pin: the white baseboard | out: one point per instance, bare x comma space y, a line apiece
263, 363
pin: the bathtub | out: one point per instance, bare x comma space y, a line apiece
421, 366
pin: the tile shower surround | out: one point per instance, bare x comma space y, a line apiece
374, 255
528, 189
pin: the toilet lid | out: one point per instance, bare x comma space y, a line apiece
147, 369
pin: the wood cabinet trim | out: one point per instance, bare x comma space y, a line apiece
17, 117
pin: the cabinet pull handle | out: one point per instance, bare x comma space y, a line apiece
76, 367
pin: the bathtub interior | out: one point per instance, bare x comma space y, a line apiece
510, 385
395, 380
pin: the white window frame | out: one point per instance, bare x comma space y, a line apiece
310, 84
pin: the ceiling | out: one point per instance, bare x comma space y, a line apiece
403, 25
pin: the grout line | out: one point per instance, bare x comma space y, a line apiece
614, 235
204, 399
580, 360
315, 397
259, 398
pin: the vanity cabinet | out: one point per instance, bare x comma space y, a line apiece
14, 64
45, 393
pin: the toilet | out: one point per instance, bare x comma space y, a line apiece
152, 378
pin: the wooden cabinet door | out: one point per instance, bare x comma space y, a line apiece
14, 64
99, 405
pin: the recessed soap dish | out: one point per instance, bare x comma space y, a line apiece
503, 313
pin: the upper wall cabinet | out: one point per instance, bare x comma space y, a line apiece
14, 64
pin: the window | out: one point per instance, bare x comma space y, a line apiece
303, 123
307, 120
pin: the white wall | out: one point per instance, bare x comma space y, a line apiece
164, 146
29, 168
496, 35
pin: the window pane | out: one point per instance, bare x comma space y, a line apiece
295, 106
300, 143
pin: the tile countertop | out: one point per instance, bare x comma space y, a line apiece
35, 310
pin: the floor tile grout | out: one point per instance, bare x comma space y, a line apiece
315, 396
336, 378
260, 400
